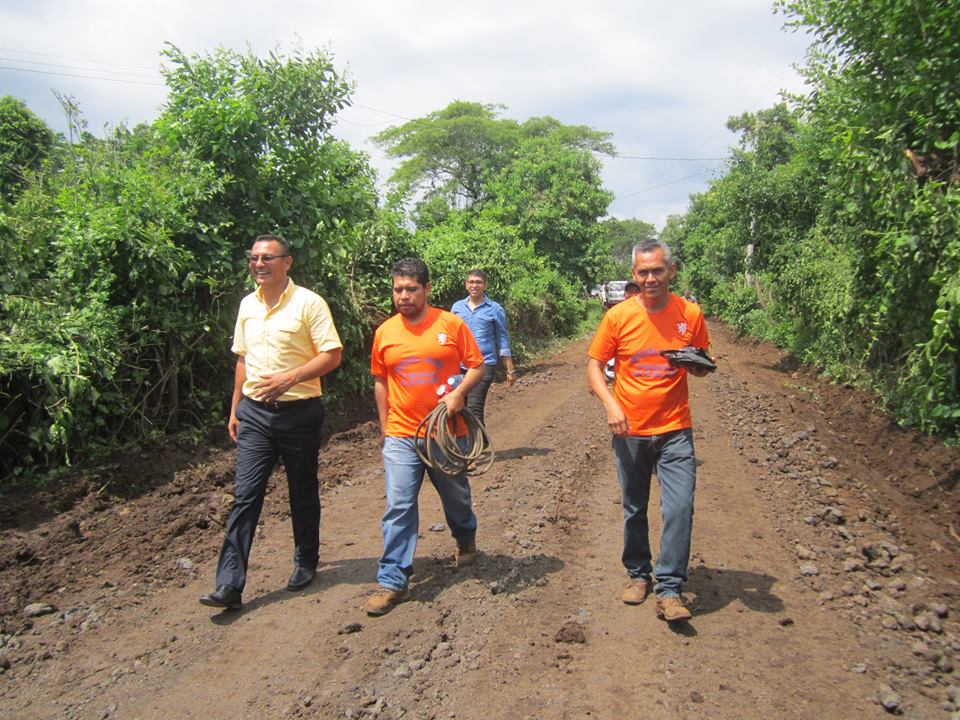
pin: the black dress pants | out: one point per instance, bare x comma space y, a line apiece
477, 397
288, 430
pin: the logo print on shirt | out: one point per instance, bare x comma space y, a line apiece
681, 327
648, 363
442, 338
410, 377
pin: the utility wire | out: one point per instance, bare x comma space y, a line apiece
668, 159
74, 67
385, 112
88, 77
654, 187
66, 57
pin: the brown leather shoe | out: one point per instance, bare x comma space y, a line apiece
383, 600
672, 609
465, 554
636, 592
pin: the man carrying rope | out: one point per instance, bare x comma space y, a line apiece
414, 353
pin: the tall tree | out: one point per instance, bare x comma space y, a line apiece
450, 154
25, 141
553, 193
620, 236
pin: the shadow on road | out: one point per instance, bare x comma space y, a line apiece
432, 575
520, 452
350, 571
500, 573
716, 588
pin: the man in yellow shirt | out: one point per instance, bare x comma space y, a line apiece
286, 341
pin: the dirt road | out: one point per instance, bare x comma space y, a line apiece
823, 581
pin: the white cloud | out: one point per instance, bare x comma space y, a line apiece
662, 77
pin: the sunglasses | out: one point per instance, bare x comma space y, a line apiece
253, 259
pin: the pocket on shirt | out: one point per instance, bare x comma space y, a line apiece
290, 327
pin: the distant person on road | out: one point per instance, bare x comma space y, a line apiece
631, 289
488, 323
286, 341
414, 352
688, 296
649, 416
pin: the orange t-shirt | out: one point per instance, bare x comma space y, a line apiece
653, 395
416, 359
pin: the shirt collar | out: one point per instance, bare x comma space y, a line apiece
283, 296
486, 300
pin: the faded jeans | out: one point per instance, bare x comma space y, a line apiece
403, 471
672, 457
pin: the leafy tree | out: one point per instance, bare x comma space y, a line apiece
25, 142
450, 154
539, 301
619, 237
552, 193
848, 198
118, 317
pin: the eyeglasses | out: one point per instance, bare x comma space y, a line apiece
254, 259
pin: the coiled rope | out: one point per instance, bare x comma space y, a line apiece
441, 451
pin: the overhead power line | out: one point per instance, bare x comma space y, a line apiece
385, 112
66, 57
667, 159
88, 77
74, 67
654, 187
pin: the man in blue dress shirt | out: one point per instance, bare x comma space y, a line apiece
488, 323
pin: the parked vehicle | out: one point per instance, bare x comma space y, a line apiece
614, 292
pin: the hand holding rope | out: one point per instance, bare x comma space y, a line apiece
441, 450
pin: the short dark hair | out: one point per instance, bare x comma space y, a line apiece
631, 285
412, 267
477, 272
269, 237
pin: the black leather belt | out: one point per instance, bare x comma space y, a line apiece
278, 404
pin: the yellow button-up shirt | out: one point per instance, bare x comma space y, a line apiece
294, 331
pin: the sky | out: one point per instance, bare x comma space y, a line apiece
661, 77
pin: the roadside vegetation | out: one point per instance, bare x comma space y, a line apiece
124, 254
849, 201
833, 233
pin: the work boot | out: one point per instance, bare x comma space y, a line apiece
636, 592
672, 609
382, 601
465, 554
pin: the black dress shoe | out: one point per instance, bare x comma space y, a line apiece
302, 576
223, 597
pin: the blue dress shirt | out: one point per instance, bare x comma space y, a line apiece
488, 323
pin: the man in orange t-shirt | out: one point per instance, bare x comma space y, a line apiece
649, 416
414, 353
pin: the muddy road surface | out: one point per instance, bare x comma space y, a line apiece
823, 583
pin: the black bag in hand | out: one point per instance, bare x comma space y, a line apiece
689, 357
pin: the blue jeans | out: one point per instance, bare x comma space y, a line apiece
403, 471
671, 455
